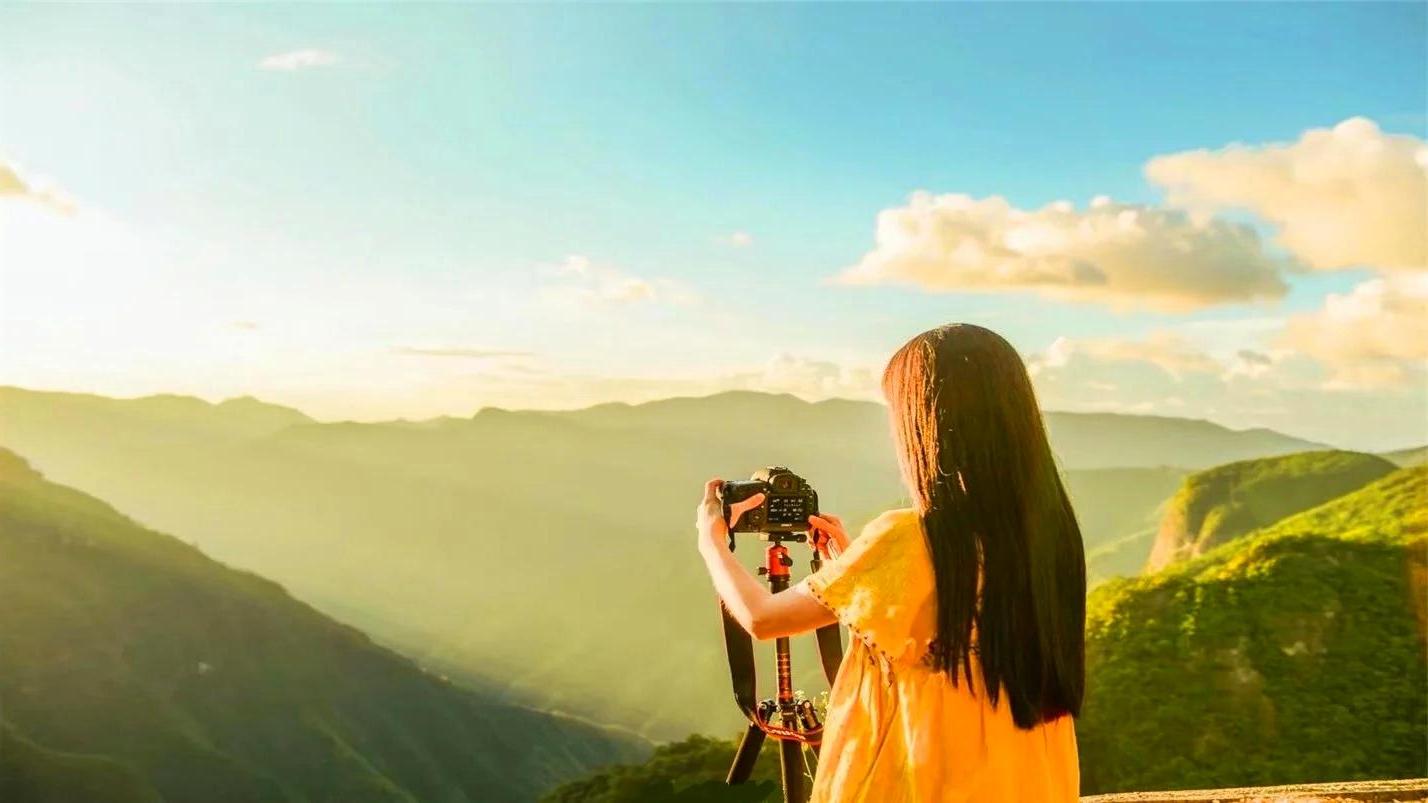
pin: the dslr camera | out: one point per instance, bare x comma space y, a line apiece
788, 502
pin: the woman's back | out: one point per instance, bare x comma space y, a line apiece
899, 729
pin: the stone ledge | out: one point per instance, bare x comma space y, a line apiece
1413, 790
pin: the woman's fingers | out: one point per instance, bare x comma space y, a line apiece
710, 509
740, 508
832, 526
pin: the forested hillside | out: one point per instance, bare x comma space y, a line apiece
134, 668
1220, 504
688, 771
1294, 653
30, 773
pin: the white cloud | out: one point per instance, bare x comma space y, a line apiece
1375, 335
1123, 255
298, 60
1165, 350
739, 239
16, 184
1274, 387
579, 281
1341, 197
808, 378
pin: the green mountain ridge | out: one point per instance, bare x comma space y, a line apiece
1220, 504
177, 676
510, 549
1294, 653
687, 771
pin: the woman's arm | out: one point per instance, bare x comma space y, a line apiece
763, 614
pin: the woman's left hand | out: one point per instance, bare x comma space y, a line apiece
709, 516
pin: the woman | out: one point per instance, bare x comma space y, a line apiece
968, 608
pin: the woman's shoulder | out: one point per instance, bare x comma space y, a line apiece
881, 586
890, 542
896, 524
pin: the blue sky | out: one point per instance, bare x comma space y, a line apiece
640, 200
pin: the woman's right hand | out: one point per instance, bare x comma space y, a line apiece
832, 527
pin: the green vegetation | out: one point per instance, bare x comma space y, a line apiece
1292, 654
691, 771
1223, 503
31, 774
511, 550
173, 675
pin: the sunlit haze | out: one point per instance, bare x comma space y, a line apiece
373, 212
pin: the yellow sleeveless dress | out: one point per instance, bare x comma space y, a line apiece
899, 732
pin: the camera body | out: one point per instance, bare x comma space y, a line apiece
788, 502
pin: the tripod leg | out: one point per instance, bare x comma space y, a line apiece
746, 755
790, 760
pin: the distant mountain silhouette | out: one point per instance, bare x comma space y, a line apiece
1119, 510
545, 555
1116, 440
134, 667
1415, 456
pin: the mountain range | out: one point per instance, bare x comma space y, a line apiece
135, 668
514, 550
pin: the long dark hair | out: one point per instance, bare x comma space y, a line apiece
975, 457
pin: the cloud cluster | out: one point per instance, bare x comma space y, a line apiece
1118, 254
14, 183
1167, 351
1164, 373
1375, 335
1341, 197
808, 378
579, 281
294, 60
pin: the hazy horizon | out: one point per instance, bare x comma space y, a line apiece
218, 401
370, 214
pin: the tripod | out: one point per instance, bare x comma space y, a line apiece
793, 723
